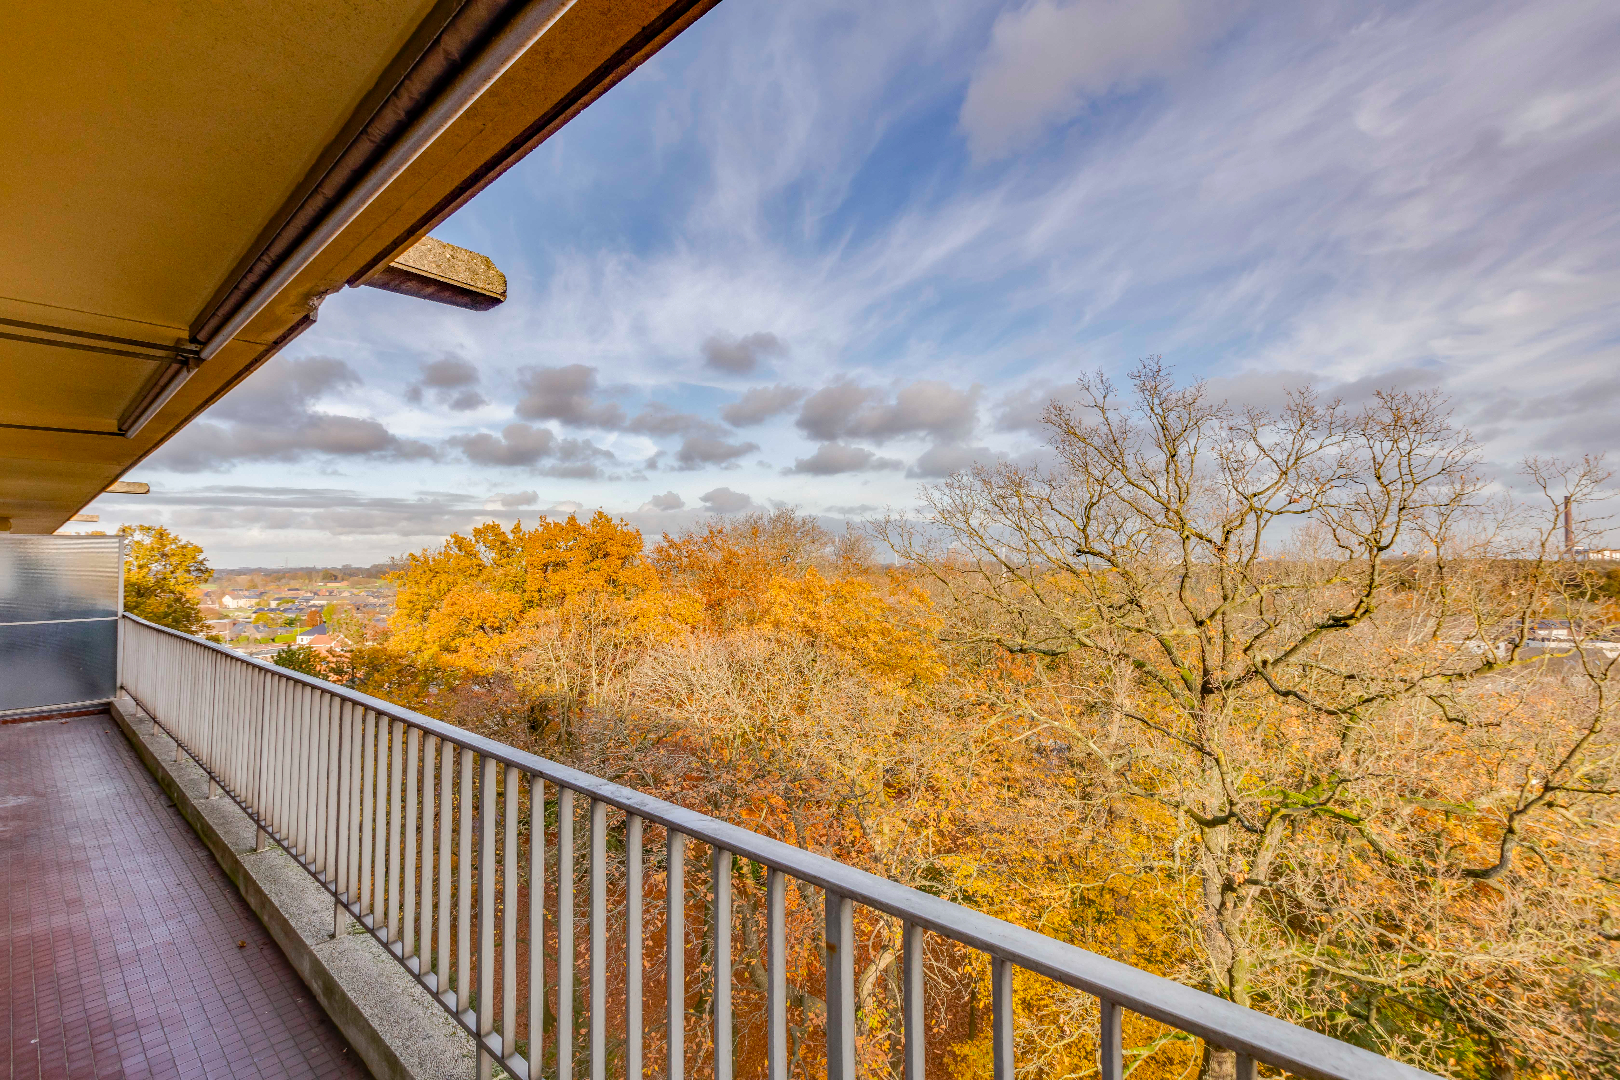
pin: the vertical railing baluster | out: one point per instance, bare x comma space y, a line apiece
324, 794
265, 753
1245, 1069
357, 864
273, 756
408, 907
343, 750
379, 827
332, 742
633, 1034
201, 697
228, 723
312, 782
598, 948
721, 867
280, 755
537, 925
205, 712
217, 729
301, 819
288, 823
242, 677
447, 807
565, 933
675, 955
212, 717
486, 912
334, 788
317, 788
227, 743
312, 756
424, 948
224, 742
1110, 1050
247, 761
302, 765
218, 723
464, 864
912, 977
840, 987
219, 753
1001, 1019
261, 767
211, 713
368, 762
509, 907
289, 765
776, 1048
396, 778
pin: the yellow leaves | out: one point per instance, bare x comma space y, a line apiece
463, 603
852, 617
727, 565
162, 577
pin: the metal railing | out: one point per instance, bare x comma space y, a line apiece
428, 836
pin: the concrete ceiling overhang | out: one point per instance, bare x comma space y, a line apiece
186, 183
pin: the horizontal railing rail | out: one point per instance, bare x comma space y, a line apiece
380, 804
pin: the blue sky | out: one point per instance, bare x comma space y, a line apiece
821, 253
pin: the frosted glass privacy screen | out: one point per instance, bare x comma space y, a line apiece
59, 602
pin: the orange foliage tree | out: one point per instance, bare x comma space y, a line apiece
768, 673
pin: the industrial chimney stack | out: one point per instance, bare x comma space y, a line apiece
1569, 528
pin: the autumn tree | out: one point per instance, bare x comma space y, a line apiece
539, 620
728, 564
163, 575
1303, 636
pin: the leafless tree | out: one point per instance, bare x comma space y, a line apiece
1310, 635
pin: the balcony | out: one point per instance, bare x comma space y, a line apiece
216, 867
420, 840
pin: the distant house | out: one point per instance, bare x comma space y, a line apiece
308, 634
245, 598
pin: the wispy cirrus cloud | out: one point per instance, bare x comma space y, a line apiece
1001, 196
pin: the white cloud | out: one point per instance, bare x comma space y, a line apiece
723, 500
832, 458
450, 382
760, 403
1047, 58
666, 502
699, 450
526, 446
274, 417
741, 355
568, 394
510, 500
926, 407
1354, 194
944, 459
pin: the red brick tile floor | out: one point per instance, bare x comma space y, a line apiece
122, 952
